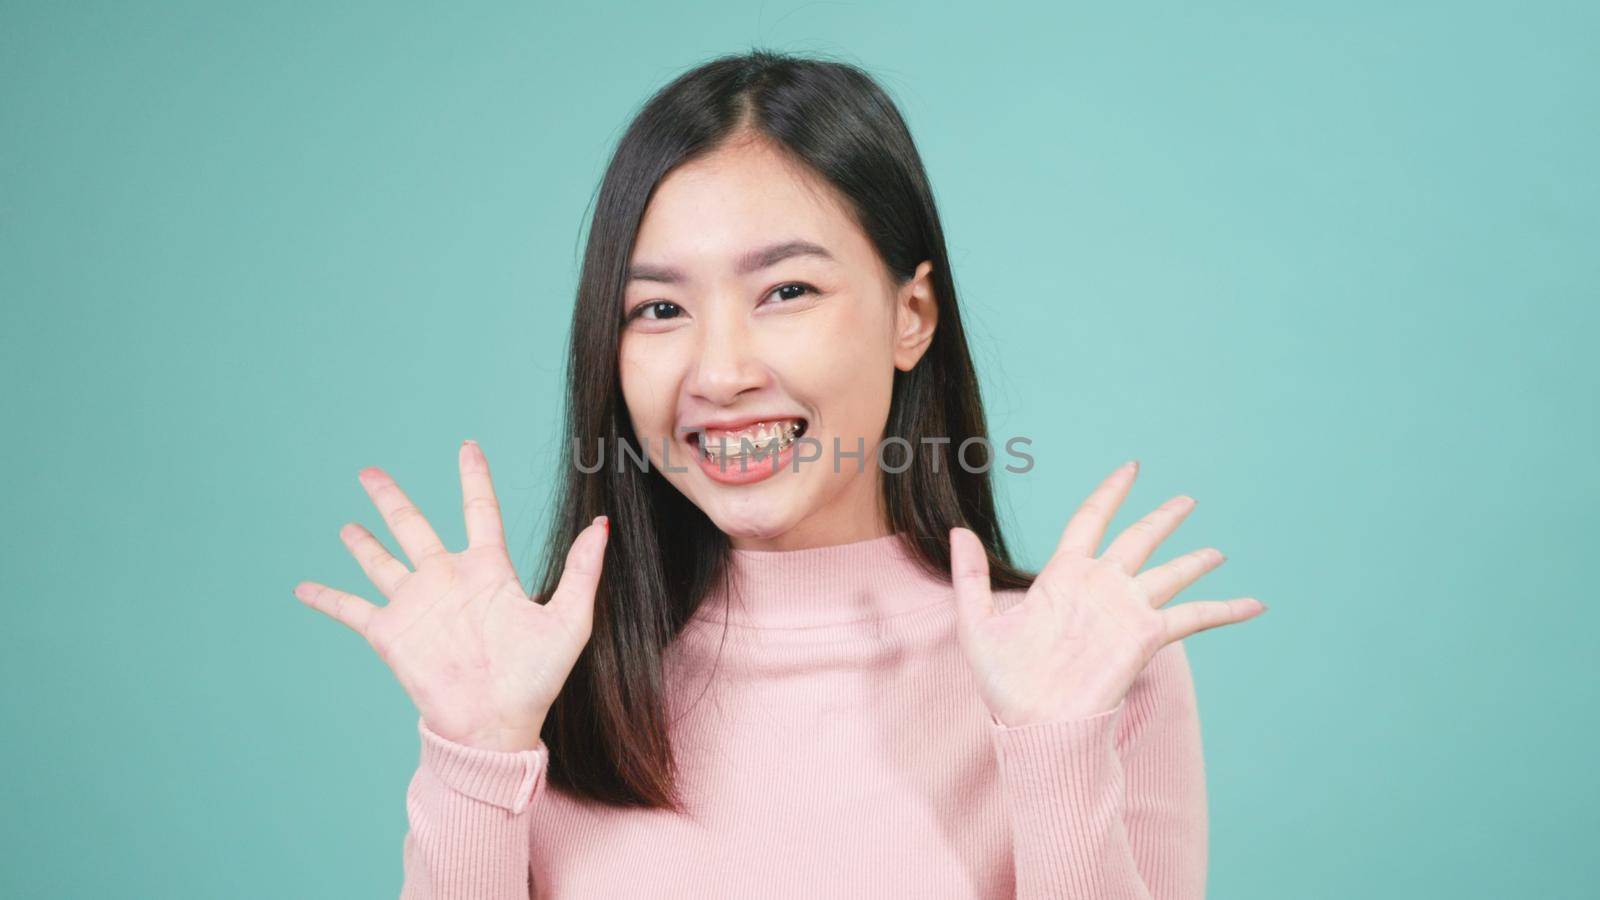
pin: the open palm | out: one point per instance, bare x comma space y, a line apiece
1087, 627
481, 660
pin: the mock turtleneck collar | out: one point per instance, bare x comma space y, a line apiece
863, 580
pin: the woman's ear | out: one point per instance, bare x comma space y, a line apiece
916, 315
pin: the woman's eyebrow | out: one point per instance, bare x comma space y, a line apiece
752, 261
756, 260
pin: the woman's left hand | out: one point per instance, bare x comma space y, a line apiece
1087, 627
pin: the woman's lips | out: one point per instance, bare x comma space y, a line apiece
740, 470
737, 463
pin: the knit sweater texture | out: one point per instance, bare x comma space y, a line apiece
831, 742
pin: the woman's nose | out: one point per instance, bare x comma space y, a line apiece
727, 361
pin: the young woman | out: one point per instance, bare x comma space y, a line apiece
779, 648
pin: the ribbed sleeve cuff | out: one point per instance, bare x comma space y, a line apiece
1041, 759
1063, 783
508, 779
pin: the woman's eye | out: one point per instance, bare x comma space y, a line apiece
794, 290
662, 309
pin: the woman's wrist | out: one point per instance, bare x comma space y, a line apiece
497, 739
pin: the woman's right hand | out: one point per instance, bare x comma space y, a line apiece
481, 660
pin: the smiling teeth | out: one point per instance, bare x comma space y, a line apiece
760, 441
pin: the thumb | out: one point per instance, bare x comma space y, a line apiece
969, 574
580, 577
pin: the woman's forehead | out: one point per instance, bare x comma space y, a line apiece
730, 219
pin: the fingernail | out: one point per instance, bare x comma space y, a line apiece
1132, 465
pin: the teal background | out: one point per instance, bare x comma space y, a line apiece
1329, 268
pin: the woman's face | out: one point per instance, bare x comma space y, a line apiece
757, 311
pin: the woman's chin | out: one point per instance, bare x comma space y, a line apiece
745, 519
741, 529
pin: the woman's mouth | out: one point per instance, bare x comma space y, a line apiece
758, 442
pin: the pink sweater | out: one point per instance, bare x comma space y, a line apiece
840, 750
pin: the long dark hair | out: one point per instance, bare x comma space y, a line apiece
607, 732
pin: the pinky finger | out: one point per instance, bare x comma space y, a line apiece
348, 609
1190, 618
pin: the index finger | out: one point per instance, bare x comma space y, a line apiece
1088, 525
478, 502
